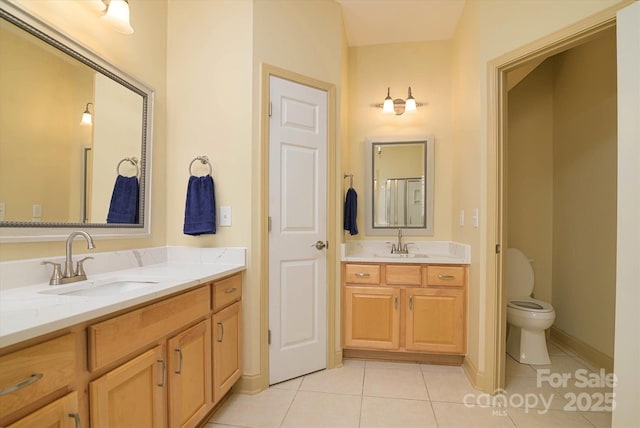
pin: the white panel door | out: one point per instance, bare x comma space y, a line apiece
297, 207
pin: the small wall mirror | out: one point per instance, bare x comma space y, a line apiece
399, 185
58, 167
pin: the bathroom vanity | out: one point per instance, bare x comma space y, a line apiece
161, 357
405, 306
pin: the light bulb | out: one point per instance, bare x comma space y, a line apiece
387, 107
118, 16
410, 105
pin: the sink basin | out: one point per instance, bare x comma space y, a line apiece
105, 287
401, 256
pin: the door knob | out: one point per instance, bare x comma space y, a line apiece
319, 245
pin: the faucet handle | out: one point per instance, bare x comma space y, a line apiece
56, 275
80, 266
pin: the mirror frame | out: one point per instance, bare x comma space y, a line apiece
429, 185
53, 231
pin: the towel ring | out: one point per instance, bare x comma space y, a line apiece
134, 162
204, 160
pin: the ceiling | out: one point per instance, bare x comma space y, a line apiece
370, 22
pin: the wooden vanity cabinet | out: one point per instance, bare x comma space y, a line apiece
30, 376
227, 335
405, 308
62, 413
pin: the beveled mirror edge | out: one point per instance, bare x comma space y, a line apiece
40, 232
429, 186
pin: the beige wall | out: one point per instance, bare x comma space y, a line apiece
487, 30
426, 67
584, 198
215, 93
562, 185
142, 55
529, 180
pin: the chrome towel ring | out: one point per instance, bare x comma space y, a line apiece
204, 160
133, 161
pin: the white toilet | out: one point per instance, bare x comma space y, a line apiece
528, 317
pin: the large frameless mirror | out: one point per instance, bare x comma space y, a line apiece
399, 181
71, 126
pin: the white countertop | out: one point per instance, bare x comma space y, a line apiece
29, 311
434, 252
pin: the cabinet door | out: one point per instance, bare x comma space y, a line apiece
62, 413
435, 320
227, 354
189, 370
371, 317
132, 395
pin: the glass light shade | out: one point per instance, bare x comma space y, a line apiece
86, 118
410, 104
387, 107
118, 16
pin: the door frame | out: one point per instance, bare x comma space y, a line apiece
333, 354
497, 69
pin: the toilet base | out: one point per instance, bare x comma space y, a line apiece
527, 346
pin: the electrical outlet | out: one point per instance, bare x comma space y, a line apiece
461, 218
476, 218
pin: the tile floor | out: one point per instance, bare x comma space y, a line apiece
386, 394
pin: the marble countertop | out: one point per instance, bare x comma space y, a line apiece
29, 311
435, 252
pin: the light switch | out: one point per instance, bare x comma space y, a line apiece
225, 216
37, 212
461, 218
476, 219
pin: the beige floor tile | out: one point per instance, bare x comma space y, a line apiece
550, 419
554, 349
344, 380
436, 368
393, 412
515, 368
449, 384
292, 385
394, 383
561, 364
265, 409
210, 425
598, 419
457, 415
347, 362
523, 392
319, 409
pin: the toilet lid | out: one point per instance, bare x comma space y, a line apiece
518, 274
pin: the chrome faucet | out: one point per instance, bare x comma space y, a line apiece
70, 274
399, 248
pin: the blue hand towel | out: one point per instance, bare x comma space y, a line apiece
350, 212
124, 201
200, 209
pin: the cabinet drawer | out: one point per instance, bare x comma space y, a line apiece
403, 275
362, 274
446, 275
31, 373
226, 292
122, 335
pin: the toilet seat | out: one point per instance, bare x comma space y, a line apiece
529, 304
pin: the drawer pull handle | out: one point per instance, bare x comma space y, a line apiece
179, 351
22, 384
230, 290
441, 276
164, 372
362, 275
411, 302
76, 419
221, 327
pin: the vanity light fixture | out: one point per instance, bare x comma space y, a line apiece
86, 115
118, 15
398, 105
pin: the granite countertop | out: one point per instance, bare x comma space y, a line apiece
432, 252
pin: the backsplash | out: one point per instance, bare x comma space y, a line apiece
19, 273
